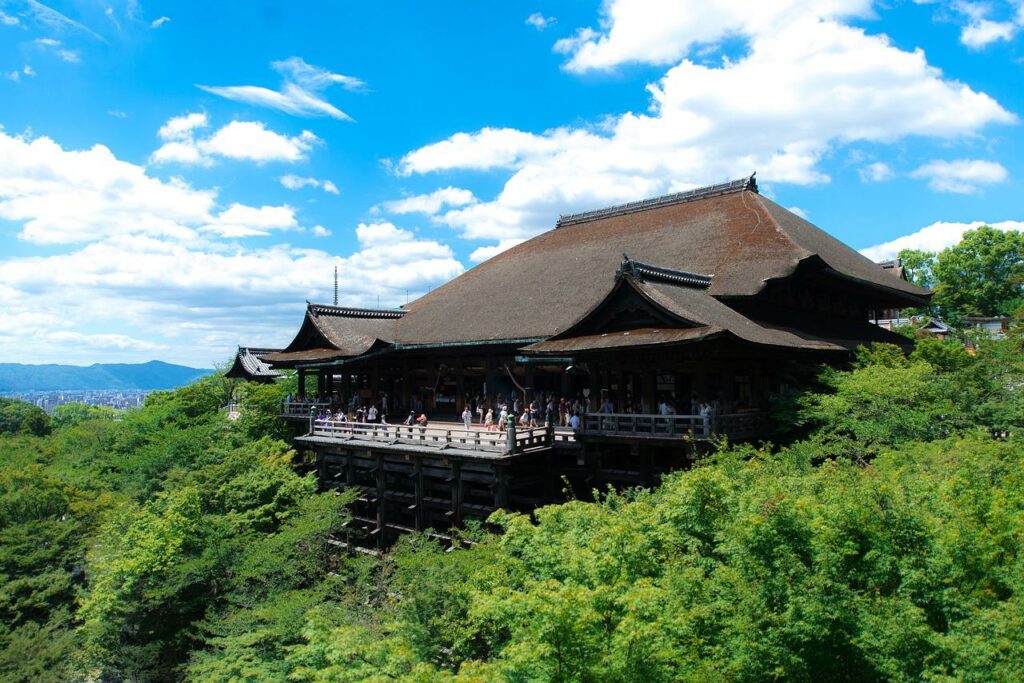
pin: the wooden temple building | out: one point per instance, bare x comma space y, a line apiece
644, 312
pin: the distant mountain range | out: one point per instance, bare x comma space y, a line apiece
152, 375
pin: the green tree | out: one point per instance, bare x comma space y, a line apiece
69, 414
983, 274
918, 266
21, 417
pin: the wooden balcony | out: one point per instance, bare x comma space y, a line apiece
734, 426
302, 410
439, 437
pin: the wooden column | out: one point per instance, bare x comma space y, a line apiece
528, 380
460, 387
302, 382
418, 495
381, 515
650, 395
456, 482
501, 487
374, 381
490, 395
406, 388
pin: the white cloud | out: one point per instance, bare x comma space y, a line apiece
876, 173
57, 47
182, 127
157, 23
117, 113
294, 182
539, 21
805, 87
664, 31
62, 196
240, 140
431, 203
798, 211
119, 342
300, 93
13, 75
934, 238
980, 33
963, 176
252, 140
320, 231
28, 70
53, 21
980, 30
8, 20
239, 220
135, 261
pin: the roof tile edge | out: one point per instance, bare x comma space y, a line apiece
348, 312
739, 185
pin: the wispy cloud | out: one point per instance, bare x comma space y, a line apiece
157, 23
294, 182
301, 90
539, 21
56, 47
963, 176
50, 19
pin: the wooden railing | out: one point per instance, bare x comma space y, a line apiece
302, 408
516, 440
733, 425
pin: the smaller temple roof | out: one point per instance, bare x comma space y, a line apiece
337, 332
250, 365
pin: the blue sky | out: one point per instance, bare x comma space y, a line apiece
177, 178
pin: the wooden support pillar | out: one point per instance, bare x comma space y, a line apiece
529, 379
346, 384
460, 387
381, 503
650, 395
406, 388
374, 381
419, 494
302, 382
433, 381
490, 395
501, 487
456, 482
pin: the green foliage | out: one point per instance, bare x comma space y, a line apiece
983, 274
19, 417
174, 544
69, 414
918, 266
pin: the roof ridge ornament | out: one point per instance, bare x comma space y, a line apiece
748, 184
646, 272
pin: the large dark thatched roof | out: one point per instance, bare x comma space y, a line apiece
542, 286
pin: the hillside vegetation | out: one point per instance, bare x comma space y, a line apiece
884, 545
883, 542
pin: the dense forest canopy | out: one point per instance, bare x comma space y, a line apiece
883, 541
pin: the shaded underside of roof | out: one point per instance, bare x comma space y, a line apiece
619, 340
250, 364
543, 286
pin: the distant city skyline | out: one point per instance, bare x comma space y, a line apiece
178, 178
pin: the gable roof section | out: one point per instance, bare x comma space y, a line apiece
540, 287
335, 332
249, 365
700, 316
